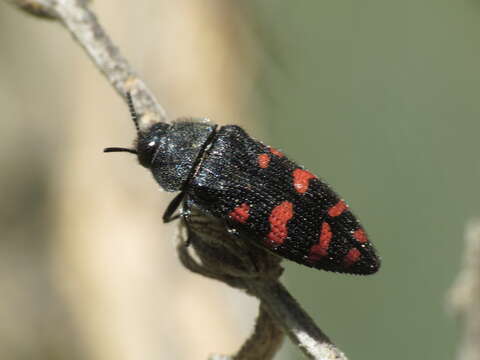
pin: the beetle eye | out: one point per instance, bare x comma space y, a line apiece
146, 150
149, 141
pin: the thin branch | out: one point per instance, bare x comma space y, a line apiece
219, 255
266, 332
296, 323
464, 297
234, 261
87, 31
40, 8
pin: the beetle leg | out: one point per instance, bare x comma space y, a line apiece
172, 207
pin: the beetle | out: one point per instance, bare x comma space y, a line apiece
255, 190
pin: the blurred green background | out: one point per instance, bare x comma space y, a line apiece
381, 99
378, 97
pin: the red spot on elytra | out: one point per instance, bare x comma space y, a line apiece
337, 209
276, 152
278, 220
320, 249
240, 213
263, 160
301, 179
352, 257
360, 236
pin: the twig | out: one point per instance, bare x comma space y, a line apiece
220, 256
464, 297
296, 323
87, 31
266, 332
234, 261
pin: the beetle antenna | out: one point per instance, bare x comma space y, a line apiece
119, 149
133, 113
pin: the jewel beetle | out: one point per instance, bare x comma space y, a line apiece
255, 190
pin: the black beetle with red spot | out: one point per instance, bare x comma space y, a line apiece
256, 191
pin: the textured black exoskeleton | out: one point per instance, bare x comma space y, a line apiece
256, 191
